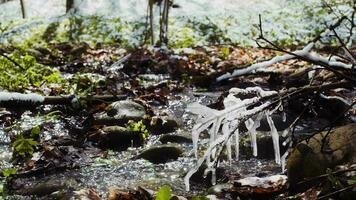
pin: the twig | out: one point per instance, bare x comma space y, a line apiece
337, 192
11, 60
326, 175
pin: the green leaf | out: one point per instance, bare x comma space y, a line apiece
164, 193
24, 146
35, 131
9, 172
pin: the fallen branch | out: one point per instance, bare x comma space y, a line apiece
305, 54
14, 99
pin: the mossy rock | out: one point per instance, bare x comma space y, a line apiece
324, 150
119, 138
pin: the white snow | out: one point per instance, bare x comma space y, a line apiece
14, 96
265, 182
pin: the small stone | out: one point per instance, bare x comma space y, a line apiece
174, 138
120, 112
161, 153
162, 124
260, 186
119, 138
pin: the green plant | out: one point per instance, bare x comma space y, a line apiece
28, 73
225, 52
164, 193
24, 146
35, 132
9, 172
139, 127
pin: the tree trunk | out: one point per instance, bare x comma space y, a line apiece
69, 5
23, 9
151, 3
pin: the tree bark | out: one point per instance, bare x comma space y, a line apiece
69, 5
23, 9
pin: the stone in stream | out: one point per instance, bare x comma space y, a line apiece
119, 138
311, 158
175, 138
44, 188
161, 153
162, 124
256, 187
120, 112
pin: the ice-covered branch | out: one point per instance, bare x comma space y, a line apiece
236, 111
239, 72
303, 54
13, 99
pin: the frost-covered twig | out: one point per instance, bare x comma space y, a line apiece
304, 53
253, 67
13, 99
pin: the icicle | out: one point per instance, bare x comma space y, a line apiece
253, 134
251, 126
226, 130
284, 116
275, 138
237, 144
283, 161
285, 132
286, 142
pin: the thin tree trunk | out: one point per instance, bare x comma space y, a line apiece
23, 9
163, 38
151, 3
69, 5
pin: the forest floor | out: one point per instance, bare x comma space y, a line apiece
124, 130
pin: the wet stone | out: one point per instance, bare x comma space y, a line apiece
120, 112
119, 138
162, 124
161, 153
175, 138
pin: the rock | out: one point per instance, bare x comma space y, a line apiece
178, 198
162, 125
119, 138
175, 138
219, 188
331, 107
120, 112
312, 158
161, 153
256, 186
199, 177
41, 188
138, 194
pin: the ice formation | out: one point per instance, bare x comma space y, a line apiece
223, 126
